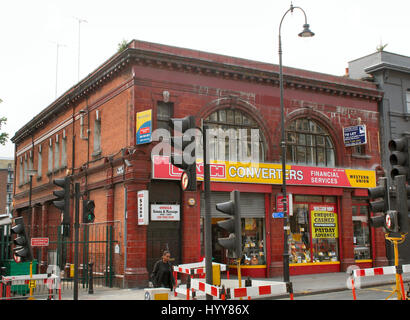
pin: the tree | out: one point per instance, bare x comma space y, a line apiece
3, 135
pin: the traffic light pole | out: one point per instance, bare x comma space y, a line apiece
76, 236
401, 295
207, 224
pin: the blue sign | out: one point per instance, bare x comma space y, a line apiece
355, 135
278, 215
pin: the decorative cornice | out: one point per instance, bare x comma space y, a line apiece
311, 81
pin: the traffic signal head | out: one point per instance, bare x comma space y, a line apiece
381, 192
402, 193
400, 157
88, 211
234, 242
22, 249
63, 198
184, 142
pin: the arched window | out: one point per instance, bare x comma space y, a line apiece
239, 136
309, 143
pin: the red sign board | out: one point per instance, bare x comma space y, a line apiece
39, 242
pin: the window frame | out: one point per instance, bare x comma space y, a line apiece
315, 141
228, 118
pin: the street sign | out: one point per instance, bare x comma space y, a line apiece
278, 215
39, 242
355, 135
184, 181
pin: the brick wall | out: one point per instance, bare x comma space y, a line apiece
196, 87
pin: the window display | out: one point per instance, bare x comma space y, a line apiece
253, 242
253, 249
313, 230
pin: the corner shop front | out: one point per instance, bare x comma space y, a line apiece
321, 214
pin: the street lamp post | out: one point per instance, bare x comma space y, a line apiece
305, 33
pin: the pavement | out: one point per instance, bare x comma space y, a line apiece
302, 285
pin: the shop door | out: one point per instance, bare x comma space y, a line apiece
163, 236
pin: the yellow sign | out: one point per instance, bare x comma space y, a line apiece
32, 284
270, 173
324, 224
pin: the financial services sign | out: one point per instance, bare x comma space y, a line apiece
269, 173
355, 135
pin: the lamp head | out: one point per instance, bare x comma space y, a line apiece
306, 31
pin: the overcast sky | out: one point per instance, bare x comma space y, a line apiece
30, 31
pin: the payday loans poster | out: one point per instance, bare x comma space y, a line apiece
324, 221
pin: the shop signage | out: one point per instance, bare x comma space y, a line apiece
142, 200
279, 203
165, 212
355, 135
269, 173
324, 221
144, 126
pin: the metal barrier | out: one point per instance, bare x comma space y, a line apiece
193, 269
44, 286
370, 272
259, 289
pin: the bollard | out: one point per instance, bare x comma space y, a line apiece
289, 288
90, 278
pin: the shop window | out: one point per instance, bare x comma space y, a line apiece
253, 247
309, 143
253, 242
361, 231
237, 133
314, 228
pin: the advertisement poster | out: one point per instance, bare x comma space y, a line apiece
165, 212
144, 126
355, 135
324, 221
142, 199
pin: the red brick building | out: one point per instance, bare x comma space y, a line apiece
89, 133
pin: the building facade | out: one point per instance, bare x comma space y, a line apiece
391, 73
6, 185
103, 134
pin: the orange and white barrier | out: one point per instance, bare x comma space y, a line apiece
379, 271
193, 269
36, 281
259, 289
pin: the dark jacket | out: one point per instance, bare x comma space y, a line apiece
158, 275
